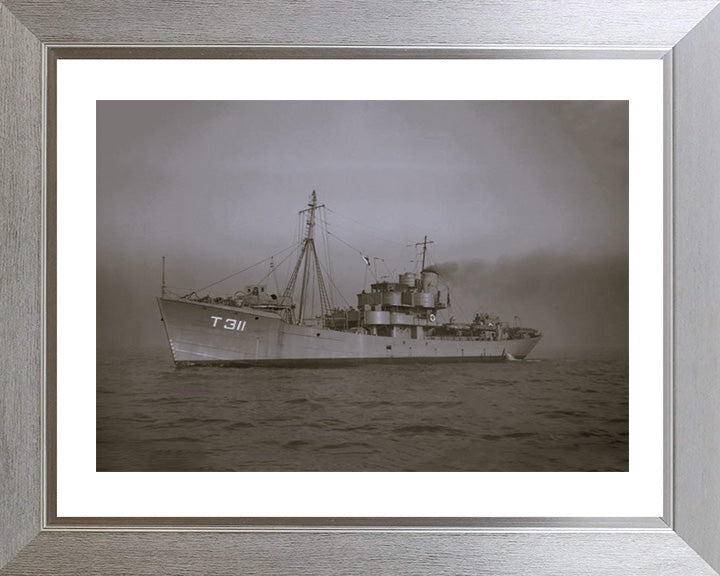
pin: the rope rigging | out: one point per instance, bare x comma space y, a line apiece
374, 230
332, 283
306, 249
364, 257
240, 271
273, 267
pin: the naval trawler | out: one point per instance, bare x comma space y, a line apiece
393, 321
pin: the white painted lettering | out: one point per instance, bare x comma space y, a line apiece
228, 323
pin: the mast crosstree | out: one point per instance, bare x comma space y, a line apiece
424, 244
309, 261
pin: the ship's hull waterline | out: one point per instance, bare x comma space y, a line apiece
212, 334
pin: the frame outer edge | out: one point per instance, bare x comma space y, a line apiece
512, 544
218, 554
20, 284
697, 312
20, 169
652, 23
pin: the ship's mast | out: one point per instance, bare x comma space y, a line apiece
309, 243
308, 253
424, 244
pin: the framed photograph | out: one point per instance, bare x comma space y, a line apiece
400, 379
428, 298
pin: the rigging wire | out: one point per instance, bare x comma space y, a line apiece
274, 274
313, 275
391, 273
274, 269
324, 227
299, 227
373, 269
240, 271
367, 227
329, 277
325, 230
288, 271
346, 244
364, 257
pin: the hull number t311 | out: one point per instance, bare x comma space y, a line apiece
228, 323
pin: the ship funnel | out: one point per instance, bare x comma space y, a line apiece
429, 281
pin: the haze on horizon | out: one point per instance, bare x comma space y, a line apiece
526, 203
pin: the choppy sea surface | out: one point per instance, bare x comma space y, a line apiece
566, 412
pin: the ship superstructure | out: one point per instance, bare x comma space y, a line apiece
392, 321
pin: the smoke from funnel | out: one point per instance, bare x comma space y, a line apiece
575, 302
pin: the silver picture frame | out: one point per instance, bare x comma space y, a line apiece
685, 34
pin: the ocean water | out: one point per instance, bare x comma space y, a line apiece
568, 412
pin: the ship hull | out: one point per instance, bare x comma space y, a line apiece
211, 334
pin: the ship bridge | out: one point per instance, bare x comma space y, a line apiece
402, 308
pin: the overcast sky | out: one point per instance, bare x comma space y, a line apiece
506, 190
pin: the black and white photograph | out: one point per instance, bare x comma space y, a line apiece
389, 287
362, 286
